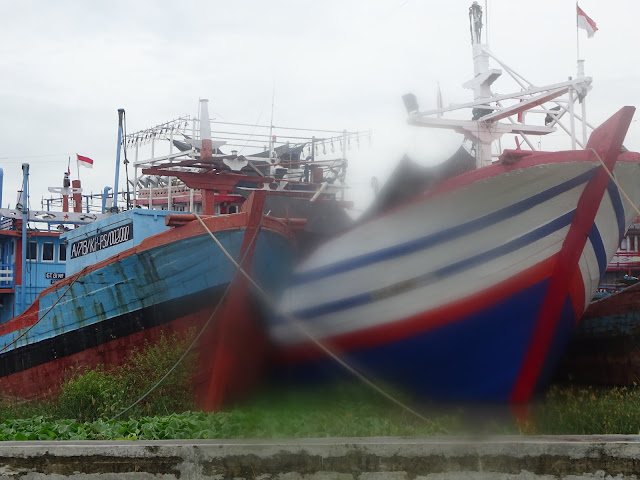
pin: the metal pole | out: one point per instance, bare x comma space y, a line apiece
572, 119
486, 22
577, 35
170, 189
135, 178
1, 182
114, 208
584, 122
25, 221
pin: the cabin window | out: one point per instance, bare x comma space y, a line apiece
62, 252
47, 252
233, 209
32, 251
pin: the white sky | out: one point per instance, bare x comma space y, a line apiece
67, 66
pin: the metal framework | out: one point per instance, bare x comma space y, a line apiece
538, 110
177, 145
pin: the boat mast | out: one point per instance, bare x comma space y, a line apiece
114, 207
25, 220
487, 108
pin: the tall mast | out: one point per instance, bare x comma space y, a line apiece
488, 109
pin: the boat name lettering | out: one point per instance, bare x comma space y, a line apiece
105, 239
53, 275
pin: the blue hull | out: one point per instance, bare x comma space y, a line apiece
477, 357
130, 293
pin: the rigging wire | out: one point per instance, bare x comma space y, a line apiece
202, 330
252, 131
294, 321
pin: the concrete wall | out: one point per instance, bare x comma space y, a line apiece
329, 459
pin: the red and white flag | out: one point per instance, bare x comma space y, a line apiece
84, 161
586, 23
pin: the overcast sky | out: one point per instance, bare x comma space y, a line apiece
67, 66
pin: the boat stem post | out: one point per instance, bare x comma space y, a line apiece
114, 208
25, 221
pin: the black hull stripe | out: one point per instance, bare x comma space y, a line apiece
76, 341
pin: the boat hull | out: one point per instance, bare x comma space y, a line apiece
171, 282
605, 348
459, 298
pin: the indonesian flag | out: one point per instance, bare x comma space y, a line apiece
84, 161
586, 23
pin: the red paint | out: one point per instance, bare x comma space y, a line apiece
606, 140
576, 293
77, 197
232, 350
424, 321
238, 343
46, 379
207, 179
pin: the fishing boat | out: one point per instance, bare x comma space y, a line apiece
32, 252
470, 290
135, 274
605, 348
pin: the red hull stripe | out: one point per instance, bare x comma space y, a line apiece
577, 293
608, 140
424, 321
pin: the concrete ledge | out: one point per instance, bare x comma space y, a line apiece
433, 458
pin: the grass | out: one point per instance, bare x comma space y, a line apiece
89, 398
588, 410
345, 410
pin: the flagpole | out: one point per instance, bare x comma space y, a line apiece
77, 166
577, 37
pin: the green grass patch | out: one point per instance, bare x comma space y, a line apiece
89, 398
588, 410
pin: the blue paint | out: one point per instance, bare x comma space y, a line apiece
563, 332
440, 274
145, 224
618, 208
475, 358
154, 276
598, 248
464, 229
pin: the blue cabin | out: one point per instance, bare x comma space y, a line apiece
52, 256
46, 259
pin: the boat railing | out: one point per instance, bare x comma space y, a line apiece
6, 275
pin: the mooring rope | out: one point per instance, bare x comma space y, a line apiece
294, 321
616, 183
202, 330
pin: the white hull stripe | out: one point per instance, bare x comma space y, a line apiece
467, 228
438, 275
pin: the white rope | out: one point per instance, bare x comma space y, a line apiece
616, 182
294, 321
197, 337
